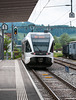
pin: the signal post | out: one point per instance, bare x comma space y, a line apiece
12, 43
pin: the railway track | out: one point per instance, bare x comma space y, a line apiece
58, 88
65, 63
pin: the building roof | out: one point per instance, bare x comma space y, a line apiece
8, 34
16, 10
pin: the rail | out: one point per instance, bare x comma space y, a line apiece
65, 63
54, 91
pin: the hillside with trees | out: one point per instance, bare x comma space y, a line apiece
25, 27
28, 27
62, 40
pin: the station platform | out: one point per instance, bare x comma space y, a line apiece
16, 83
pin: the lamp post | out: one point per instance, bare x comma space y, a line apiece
12, 37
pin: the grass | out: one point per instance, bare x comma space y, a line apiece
58, 54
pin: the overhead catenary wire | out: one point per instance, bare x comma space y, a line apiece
53, 6
56, 6
41, 11
59, 18
71, 20
62, 17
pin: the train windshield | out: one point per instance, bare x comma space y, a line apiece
40, 43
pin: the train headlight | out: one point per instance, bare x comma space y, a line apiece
47, 53
33, 53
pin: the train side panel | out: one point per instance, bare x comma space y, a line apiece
72, 50
69, 50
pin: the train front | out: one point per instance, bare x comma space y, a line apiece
42, 49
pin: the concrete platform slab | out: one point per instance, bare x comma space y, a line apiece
15, 83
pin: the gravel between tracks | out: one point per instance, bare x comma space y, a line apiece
42, 90
60, 71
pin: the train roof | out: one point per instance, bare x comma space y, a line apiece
36, 33
73, 42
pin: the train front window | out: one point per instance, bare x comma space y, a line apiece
40, 45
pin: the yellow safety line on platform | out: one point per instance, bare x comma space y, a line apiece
48, 77
44, 74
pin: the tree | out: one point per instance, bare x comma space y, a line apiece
7, 41
56, 39
57, 43
57, 46
64, 39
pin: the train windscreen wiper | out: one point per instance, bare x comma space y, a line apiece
37, 48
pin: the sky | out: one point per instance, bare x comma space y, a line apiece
53, 12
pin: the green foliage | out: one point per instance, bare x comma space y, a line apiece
7, 41
56, 54
17, 53
9, 53
56, 39
57, 46
64, 39
57, 43
55, 30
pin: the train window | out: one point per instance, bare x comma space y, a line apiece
73, 46
52, 47
41, 40
40, 46
22, 47
27, 47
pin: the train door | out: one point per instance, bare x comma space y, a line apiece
74, 50
70, 49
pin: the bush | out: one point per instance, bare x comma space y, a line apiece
9, 53
56, 54
17, 54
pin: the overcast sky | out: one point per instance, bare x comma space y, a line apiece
53, 15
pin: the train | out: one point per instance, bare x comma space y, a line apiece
69, 50
37, 49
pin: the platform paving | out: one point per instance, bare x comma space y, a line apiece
15, 83
7, 80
